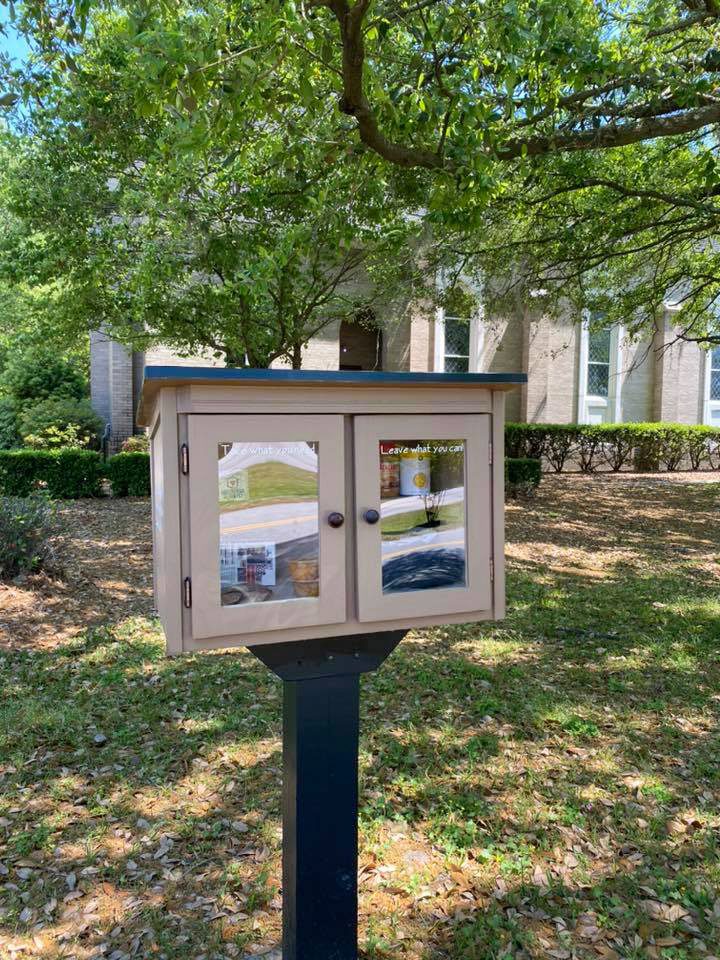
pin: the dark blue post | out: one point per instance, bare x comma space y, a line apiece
320, 788
320, 807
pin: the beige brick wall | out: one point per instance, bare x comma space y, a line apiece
162, 356
679, 382
637, 377
550, 359
100, 374
321, 353
502, 352
122, 413
396, 339
656, 384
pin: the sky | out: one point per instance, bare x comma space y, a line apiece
10, 43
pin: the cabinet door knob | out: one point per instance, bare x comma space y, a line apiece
371, 516
336, 519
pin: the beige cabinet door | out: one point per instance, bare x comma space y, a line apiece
264, 552
423, 515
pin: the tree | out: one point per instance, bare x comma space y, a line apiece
626, 236
487, 109
244, 251
428, 83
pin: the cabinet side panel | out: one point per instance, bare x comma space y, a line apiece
498, 503
156, 494
166, 522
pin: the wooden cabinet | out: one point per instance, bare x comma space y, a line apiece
292, 507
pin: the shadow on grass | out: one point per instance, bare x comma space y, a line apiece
578, 737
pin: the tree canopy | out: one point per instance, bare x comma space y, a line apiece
245, 252
576, 140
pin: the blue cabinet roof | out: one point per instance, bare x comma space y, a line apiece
157, 377
194, 375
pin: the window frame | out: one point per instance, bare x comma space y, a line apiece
476, 334
475, 342
714, 368
599, 363
711, 411
610, 406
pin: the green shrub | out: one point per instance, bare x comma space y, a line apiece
63, 474
674, 446
515, 440
8, 424
617, 442
522, 476
139, 443
648, 446
699, 445
27, 531
529, 439
60, 422
561, 441
590, 446
129, 474
39, 372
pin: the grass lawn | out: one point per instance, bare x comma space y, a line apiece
275, 482
400, 524
548, 786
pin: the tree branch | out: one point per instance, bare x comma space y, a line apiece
611, 135
653, 122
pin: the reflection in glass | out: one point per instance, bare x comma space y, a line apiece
422, 509
268, 498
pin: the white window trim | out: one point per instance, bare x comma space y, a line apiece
615, 378
709, 406
475, 345
476, 339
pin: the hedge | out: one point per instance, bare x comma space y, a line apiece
129, 474
63, 474
611, 446
522, 476
68, 474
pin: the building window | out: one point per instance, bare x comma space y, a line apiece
598, 369
456, 355
599, 373
715, 373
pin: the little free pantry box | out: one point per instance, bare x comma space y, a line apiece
290, 505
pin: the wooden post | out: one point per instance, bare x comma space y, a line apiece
321, 698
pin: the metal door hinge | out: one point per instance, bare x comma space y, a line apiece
187, 592
492, 569
491, 452
185, 458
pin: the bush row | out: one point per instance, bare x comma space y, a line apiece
610, 446
69, 474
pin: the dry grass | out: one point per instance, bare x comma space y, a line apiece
544, 787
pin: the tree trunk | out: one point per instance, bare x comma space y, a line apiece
297, 356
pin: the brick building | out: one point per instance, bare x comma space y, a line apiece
574, 375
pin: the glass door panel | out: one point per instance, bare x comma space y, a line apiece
266, 553
423, 515
269, 520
